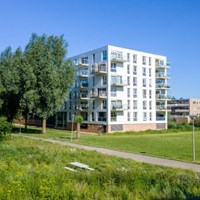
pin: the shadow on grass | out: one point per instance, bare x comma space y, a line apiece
28, 131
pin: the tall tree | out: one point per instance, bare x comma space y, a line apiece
9, 79
54, 75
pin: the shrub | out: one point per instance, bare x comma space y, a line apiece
5, 128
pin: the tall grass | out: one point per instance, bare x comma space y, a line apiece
34, 170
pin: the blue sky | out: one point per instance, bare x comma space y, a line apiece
166, 27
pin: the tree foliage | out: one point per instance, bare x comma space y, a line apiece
36, 80
54, 75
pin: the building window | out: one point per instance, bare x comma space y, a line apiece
134, 116
128, 69
144, 82
93, 104
149, 72
84, 60
104, 104
92, 116
150, 116
150, 82
128, 92
134, 81
150, 94
104, 80
113, 117
150, 105
104, 55
144, 60
128, 80
149, 61
144, 93
144, 116
113, 92
93, 81
144, 105
128, 57
93, 58
134, 93
128, 117
161, 62
134, 70
144, 71
134, 58
128, 104
134, 104
113, 67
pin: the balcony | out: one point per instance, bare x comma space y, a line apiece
162, 86
162, 97
160, 65
84, 107
118, 57
100, 95
84, 85
179, 105
83, 96
99, 69
118, 107
102, 119
162, 76
83, 73
118, 82
160, 118
161, 108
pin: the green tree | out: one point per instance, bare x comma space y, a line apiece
79, 121
54, 75
9, 82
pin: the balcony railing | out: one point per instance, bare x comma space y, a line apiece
162, 96
100, 94
118, 107
99, 69
84, 85
162, 85
83, 96
83, 73
160, 118
84, 106
162, 75
119, 83
161, 107
102, 119
118, 57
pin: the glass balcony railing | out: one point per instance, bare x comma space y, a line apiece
102, 119
160, 118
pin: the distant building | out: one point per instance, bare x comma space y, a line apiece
118, 89
181, 109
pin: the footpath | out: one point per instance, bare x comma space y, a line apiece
132, 156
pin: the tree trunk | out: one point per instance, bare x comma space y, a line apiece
26, 122
78, 135
44, 122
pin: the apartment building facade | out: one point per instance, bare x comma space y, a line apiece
182, 109
118, 89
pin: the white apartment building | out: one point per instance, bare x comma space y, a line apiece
118, 89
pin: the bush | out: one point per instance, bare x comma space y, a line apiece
5, 128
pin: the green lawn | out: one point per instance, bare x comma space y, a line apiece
32, 169
177, 146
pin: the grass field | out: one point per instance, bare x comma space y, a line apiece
177, 146
32, 169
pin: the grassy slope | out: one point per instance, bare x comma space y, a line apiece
34, 170
176, 146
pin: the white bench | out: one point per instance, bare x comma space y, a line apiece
70, 169
81, 165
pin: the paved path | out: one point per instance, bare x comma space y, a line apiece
136, 157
